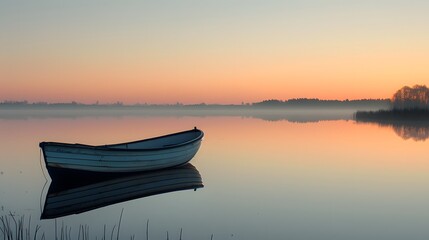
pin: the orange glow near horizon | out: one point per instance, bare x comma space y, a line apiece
246, 84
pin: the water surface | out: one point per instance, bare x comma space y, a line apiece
324, 177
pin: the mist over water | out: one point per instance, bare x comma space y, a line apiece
291, 115
267, 174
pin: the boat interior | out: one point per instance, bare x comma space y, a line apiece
171, 140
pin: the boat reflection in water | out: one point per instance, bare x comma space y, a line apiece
76, 192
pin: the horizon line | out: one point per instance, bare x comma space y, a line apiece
117, 103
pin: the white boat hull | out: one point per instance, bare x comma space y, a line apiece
116, 158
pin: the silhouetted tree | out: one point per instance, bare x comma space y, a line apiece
416, 97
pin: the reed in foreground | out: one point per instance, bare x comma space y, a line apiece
14, 227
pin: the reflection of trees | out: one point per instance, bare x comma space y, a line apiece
416, 132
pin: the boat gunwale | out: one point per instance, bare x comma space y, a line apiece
108, 147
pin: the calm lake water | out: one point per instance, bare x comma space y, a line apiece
294, 176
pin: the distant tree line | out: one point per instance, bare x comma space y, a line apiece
408, 104
273, 103
416, 97
314, 102
25, 102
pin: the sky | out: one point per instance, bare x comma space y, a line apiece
222, 51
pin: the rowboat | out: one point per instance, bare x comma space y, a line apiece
74, 194
143, 155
